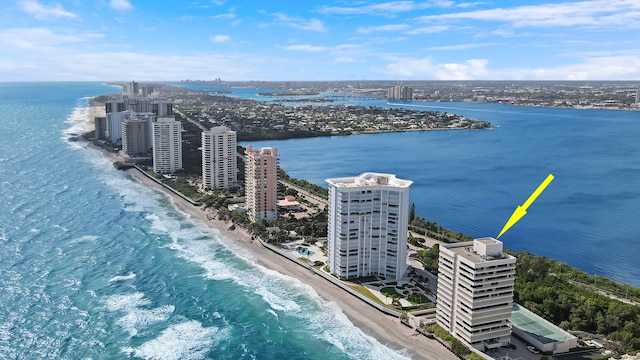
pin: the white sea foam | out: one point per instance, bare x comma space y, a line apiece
79, 124
211, 251
188, 340
57, 226
138, 319
129, 276
84, 239
125, 302
273, 313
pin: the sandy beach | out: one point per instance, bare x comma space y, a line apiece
386, 329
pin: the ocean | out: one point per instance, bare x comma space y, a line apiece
93, 265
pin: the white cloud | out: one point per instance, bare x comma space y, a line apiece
306, 48
592, 13
411, 68
617, 67
227, 16
40, 38
382, 28
107, 66
345, 59
622, 67
220, 38
230, 15
385, 9
120, 4
298, 22
38, 10
429, 30
461, 46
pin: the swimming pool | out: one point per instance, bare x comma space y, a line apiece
304, 251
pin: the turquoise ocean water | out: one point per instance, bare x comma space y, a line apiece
95, 266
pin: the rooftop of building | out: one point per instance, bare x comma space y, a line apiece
265, 151
479, 250
370, 179
220, 130
537, 327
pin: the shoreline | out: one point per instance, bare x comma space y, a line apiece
386, 329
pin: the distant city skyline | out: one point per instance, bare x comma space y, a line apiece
116, 40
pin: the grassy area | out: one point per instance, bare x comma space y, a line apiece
364, 291
391, 292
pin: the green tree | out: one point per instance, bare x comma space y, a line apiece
458, 348
412, 213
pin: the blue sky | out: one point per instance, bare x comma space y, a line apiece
109, 40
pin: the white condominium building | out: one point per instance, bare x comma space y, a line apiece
367, 230
219, 158
475, 292
167, 145
114, 125
261, 183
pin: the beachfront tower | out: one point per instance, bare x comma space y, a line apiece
219, 158
400, 92
367, 231
133, 87
167, 145
135, 136
261, 183
475, 292
114, 125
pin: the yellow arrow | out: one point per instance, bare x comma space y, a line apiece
521, 210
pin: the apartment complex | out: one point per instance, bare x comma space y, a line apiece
475, 292
400, 92
167, 145
219, 158
128, 107
136, 135
261, 183
367, 230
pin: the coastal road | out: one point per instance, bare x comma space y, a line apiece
194, 122
309, 196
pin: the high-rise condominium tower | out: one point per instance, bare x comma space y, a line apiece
475, 292
368, 219
400, 92
135, 135
261, 183
219, 158
167, 145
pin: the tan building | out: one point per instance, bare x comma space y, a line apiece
400, 92
219, 158
136, 137
475, 292
261, 183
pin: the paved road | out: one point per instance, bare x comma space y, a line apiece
309, 196
196, 123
